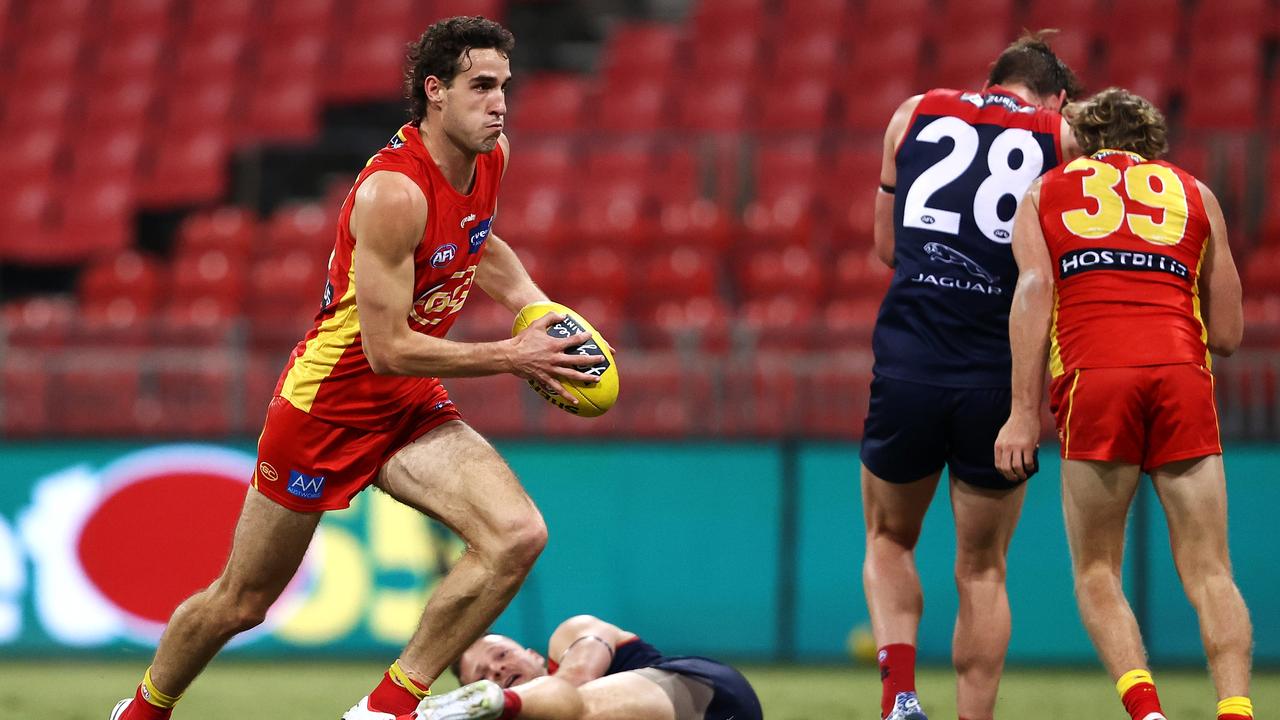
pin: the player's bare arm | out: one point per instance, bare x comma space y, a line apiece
387, 220
882, 231
1219, 283
584, 646
1029, 318
503, 277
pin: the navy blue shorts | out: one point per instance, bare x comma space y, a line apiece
734, 698
913, 430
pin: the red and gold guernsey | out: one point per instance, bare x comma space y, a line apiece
328, 375
1127, 236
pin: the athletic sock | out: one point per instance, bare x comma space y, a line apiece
1138, 693
397, 693
1235, 708
149, 703
511, 705
897, 673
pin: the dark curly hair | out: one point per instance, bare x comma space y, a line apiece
1030, 61
1116, 119
440, 52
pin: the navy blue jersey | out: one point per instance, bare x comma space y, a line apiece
963, 166
734, 698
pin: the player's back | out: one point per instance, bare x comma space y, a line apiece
1126, 236
963, 165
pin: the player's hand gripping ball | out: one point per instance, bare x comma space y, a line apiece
593, 399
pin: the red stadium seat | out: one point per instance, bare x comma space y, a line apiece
638, 106
40, 322
888, 58
550, 102
779, 322
803, 16
813, 53
25, 388
228, 228
133, 55
210, 54
611, 277
50, 14
369, 65
1232, 101
1233, 17
963, 18
963, 61
125, 14
101, 402
879, 17
538, 166
438, 9
128, 276
733, 57
1078, 17
208, 104
96, 218
208, 17
127, 104
793, 271
310, 16
29, 158
857, 275
210, 273
713, 17
848, 323
783, 166
762, 397
191, 170
369, 14
691, 324
834, 401
113, 155
45, 105
297, 57
1145, 65
678, 273
870, 109
1155, 17
197, 399
282, 110
52, 54
797, 105
614, 212
649, 414
307, 226
722, 107
25, 213
634, 50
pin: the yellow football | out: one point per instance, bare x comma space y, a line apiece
593, 399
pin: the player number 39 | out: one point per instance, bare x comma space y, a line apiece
1170, 197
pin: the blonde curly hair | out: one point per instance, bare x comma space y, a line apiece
1117, 119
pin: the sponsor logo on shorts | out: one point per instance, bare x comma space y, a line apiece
306, 487
444, 255
1087, 259
268, 472
146, 694
478, 234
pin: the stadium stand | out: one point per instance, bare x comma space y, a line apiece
715, 175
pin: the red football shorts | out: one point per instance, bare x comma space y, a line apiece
308, 464
1144, 416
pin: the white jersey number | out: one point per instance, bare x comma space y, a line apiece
1003, 179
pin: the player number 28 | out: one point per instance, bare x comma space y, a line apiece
1004, 179
1100, 184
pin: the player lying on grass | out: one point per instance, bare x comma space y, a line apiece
593, 670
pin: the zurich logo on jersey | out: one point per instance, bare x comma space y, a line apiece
478, 234
444, 255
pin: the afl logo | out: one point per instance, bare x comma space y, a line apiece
444, 255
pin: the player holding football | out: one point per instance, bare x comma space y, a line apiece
359, 402
1126, 285
595, 671
955, 165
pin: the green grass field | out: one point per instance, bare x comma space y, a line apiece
322, 691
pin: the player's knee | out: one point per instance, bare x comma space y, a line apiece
1097, 580
521, 541
887, 530
986, 566
238, 611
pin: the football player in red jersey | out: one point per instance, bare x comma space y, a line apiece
360, 403
1126, 285
954, 167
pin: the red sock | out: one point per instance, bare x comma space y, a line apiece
897, 673
140, 709
1141, 700
391, 697
511, 705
